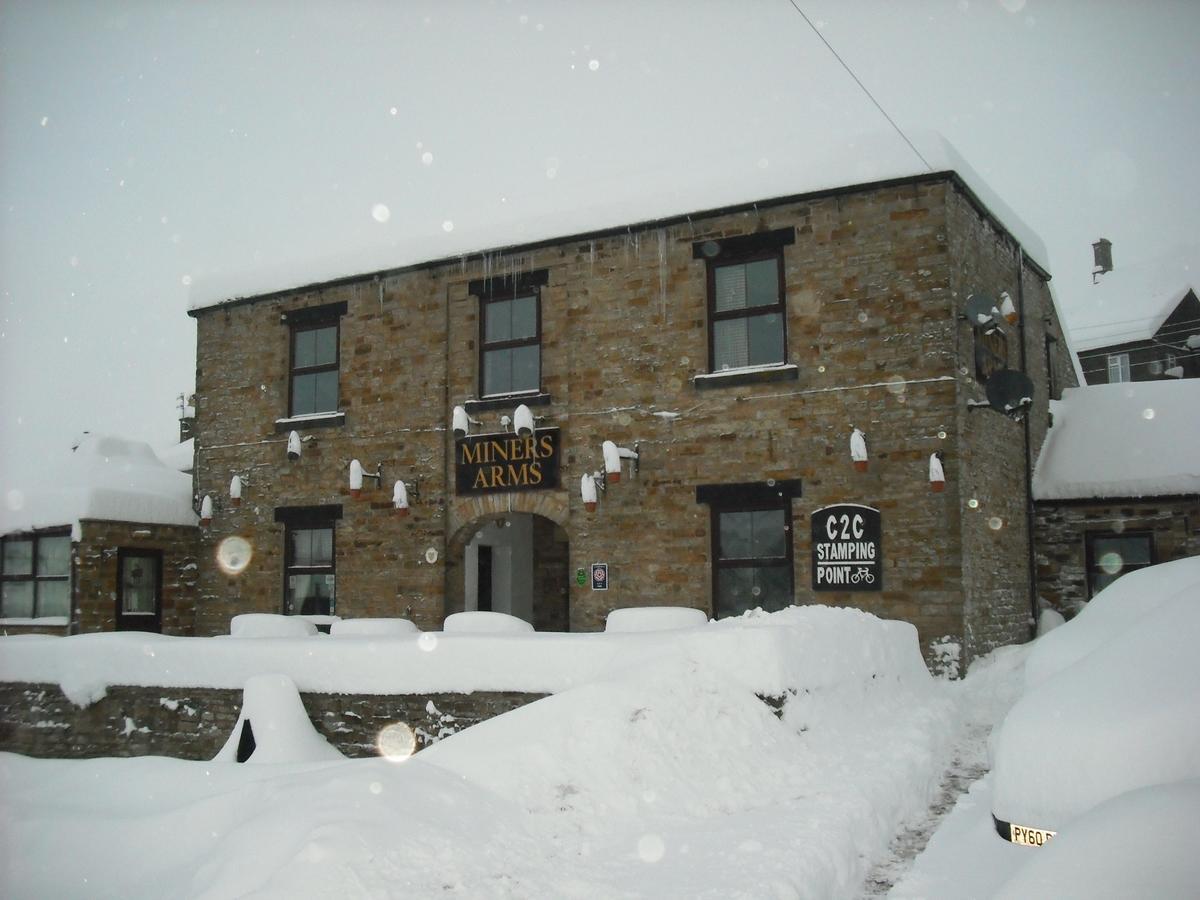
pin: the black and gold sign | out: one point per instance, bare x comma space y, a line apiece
495, 463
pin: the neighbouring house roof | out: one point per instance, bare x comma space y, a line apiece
179, 456
1133, 439
106, 478
1132, 302
646, 199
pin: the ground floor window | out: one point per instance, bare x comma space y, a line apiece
1111, 554
35, 576
309, 586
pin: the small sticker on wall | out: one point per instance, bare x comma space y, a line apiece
599, 576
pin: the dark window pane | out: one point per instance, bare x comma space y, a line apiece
326, 345
752, 587
731, 346
766, 339
774, 584
734, 595
497, 372
305, 351
737, 535
730, 287
54, 598
310, 595
16, 600
54, 555
526, 365
325, 386
497, 321
762, 282
524, 317
18, 557
322, 547
770, 539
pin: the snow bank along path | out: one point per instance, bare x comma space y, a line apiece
658, 774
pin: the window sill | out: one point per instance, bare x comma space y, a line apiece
748, 375
40, 622
316, 420
529, 398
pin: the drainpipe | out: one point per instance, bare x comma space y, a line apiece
1029, 512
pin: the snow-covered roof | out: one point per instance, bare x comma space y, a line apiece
179, 456
559, 210
1133, 439
1131, 302
106, 478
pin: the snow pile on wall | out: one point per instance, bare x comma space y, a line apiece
800, 647
663, 777
270, 625
107, 478
1135, 439
654, 618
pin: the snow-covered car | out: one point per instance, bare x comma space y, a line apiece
1110, 705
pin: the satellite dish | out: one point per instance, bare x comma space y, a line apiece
981, 310
1009, 391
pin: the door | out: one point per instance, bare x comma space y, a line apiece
139, 590
484, 581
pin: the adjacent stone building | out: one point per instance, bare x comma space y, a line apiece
107, 543
741, 362
1117, 486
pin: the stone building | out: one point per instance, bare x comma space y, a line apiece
108, 543
731, 355
1116, 487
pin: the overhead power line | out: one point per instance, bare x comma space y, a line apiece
858, 81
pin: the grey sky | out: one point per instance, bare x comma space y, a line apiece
148, 145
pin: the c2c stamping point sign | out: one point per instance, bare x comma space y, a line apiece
847, 548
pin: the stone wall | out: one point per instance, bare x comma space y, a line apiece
875, 281
1061, 539
194, 723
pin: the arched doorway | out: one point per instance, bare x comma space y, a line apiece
511, 562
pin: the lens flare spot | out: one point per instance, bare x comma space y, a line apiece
651, 848
594, 64
1111, 563
397, 742
1148, 413
995, 523
427, 642
973, 503
380, 213
376, 787
895, 383
234, 554
447, 226
862, 316
427, 158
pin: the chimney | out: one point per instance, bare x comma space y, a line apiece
1102, 252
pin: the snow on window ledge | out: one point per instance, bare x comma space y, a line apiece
43, 622
501, 401
747, 375
311, 420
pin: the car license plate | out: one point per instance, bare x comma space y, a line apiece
1030, 837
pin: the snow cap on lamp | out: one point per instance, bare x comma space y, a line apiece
400, 499
612, 461
293, 451
206, 511
235, 491
460, 422
523, 421
356, 476
1007, 309
858, 449
587, 490
937, 475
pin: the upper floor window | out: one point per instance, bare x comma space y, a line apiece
35, 576
313, 384
510, 334
747, 299
1118, 367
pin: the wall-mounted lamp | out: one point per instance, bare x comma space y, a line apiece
357, 475
1007, 309
937, 475
523, 421
461, 422
612, 460
206, 508
858, 450
293, 448
400, 499
235, 491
